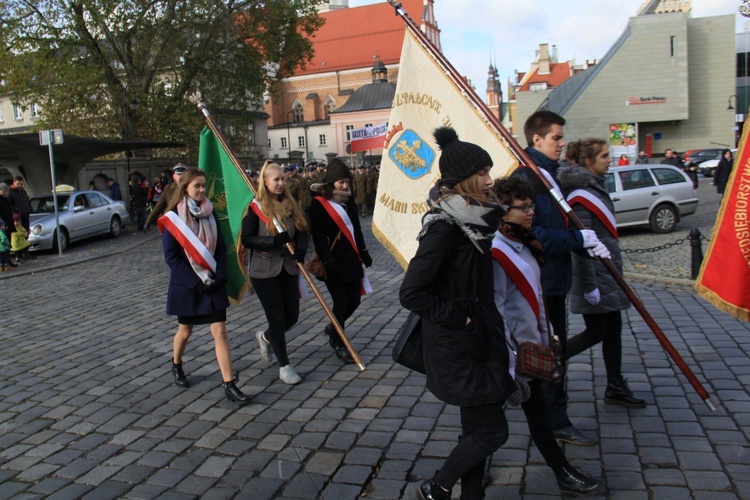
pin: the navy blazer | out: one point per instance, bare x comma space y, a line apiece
182, 297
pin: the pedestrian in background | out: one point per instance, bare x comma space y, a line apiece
19, 240
19, 200
642, 158
518, 258
623, 160
196, 254
5, 263
723, 169
6, 209
595, 294
114, 189
337, 236
449, 285
140, 201
544, 135
168, 193
272, 269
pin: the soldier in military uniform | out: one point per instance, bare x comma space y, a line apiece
359, 188
372, 188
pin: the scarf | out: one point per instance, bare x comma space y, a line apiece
517, 232
477, 221
200, 220
341, 197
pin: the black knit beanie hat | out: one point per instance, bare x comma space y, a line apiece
336, 170
459, 160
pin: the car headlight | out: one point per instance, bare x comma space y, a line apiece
36, 230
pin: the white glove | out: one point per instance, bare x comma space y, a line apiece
600, 251
593, 297
589, 238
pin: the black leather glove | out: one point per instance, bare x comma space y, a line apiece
146, 228
299, 255
217, 284
331, 266
281, 238
366, 259
202, 288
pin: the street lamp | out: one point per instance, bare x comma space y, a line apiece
729, 102
288, 136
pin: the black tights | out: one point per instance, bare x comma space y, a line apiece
607, 329
484, 429
346, 298
557, 397
537, 417
279, 297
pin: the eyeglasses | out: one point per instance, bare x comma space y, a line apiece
523, 208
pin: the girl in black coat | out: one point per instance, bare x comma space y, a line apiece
449, 284
341, 249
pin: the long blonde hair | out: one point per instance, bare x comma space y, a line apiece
467, 189
280, 207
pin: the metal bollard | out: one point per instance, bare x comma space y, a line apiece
696, 252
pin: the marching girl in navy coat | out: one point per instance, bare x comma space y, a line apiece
195, 252
449, 285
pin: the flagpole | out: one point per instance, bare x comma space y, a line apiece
524, 159
289, 246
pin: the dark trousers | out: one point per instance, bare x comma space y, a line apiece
484, 429
557, 397
140, 214
607, 329
279, 297
346, 298
537, 417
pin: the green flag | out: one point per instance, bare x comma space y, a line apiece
229, 191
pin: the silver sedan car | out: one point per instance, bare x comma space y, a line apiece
656, 196
82, 214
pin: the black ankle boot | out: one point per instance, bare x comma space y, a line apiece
619, 393
429, 490
574, 482
234, 394
179, 375
343, 355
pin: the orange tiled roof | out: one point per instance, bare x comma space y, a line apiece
353, 38
558, 73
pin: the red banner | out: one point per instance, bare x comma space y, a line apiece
724, 279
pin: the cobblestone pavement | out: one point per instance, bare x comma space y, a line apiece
88, 408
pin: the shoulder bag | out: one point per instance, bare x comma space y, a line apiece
408, 350
315, 265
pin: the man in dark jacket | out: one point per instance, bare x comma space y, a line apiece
544, 135
672, 159
114, 189
19, 199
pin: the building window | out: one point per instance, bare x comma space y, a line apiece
299, 114
251, 132
17, 112
368, 125
322, 140
671, 46
349, 129
330, 106
742, 66
35, 110
1, 114
301, 141
283, 143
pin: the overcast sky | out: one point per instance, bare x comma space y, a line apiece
508, 32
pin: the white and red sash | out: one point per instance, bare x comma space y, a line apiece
596, 207
342, 220
194, 248
557, 192
255, 206
520, 273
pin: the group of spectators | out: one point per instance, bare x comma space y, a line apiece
15, 211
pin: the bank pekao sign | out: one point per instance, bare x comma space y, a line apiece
632, 101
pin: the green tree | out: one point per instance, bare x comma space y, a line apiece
81, 61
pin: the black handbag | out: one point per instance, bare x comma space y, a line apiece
408, 350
